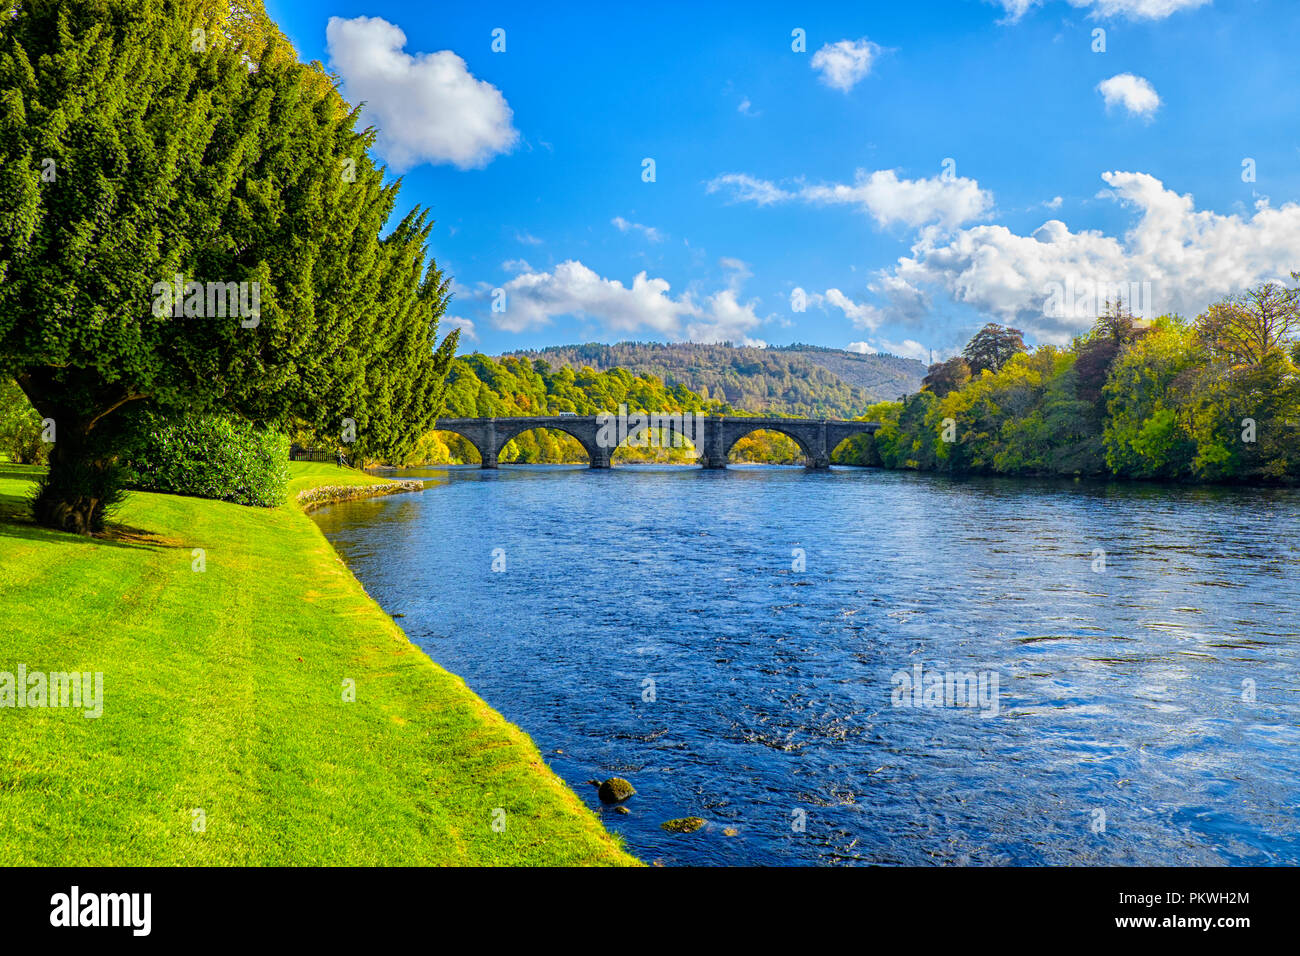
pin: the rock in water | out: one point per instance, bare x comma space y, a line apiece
684, 825
616, 790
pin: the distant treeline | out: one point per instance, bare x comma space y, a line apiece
798, 381
1215, 399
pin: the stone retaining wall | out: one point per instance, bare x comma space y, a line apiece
331, 494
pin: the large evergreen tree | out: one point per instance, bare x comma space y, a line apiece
141, 140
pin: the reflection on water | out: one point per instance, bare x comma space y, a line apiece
653, 623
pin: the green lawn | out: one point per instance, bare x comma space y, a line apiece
309, 474
223, 692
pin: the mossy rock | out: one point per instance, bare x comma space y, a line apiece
616, 790
684, 825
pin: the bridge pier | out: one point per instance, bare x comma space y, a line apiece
820, 459
600, 458
713, 450
488, 449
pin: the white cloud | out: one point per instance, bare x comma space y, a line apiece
844, 63
1134, 93
1054, 202
465, 325
747, 108
863, 316
948, 202
1016, 8
1190, 258
427, 108
527, 238
746, 188
534, 299
738, 268
725, 319
908, 348
1129, 9
623, 225
881, 194
1139, 9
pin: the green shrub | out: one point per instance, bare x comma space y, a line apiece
207, 456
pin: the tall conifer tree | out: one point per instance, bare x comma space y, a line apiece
145, 140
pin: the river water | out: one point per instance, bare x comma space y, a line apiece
738, 644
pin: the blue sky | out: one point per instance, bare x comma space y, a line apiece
917, 169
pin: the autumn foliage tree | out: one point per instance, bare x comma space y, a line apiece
991, 348
1097, 351
152, 144
1242, 329
945, 377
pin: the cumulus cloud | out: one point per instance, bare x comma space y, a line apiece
947, 202
623, 225
533, 299
1133, 93
427, 108
1189, 257
1128, 9
843, 64
915, 202
465, 325
724, 317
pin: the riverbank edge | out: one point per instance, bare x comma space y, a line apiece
305, 501
309, 499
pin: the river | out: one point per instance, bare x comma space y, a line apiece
739, 645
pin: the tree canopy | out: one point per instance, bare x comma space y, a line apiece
155, 152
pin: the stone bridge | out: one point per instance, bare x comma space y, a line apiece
711, 435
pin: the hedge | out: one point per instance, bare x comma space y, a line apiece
207, 456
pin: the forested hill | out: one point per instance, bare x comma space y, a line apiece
798, 380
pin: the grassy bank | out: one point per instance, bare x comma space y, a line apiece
224, 693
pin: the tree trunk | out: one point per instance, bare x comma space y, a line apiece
80, 486
83, 480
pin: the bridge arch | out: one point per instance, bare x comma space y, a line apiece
790, 432
594, 454
469, 434
660, 435
854, 446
